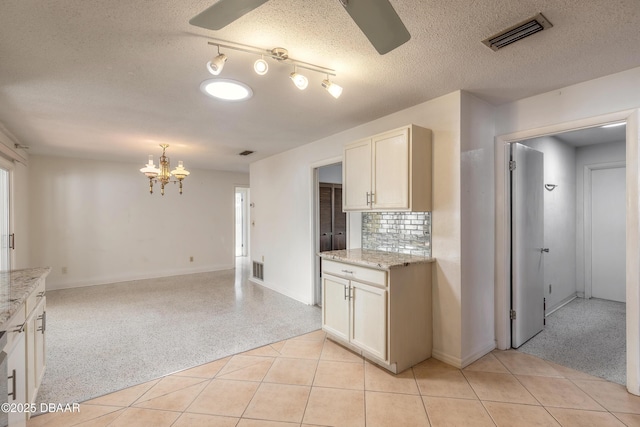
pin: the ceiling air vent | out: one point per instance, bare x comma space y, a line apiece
246, 152
517, 32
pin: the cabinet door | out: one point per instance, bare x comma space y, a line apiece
390, 183
39, 347
369, 319
30, 332
17, 382
335, 306
357, 176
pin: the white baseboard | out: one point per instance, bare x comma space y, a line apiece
561, 304
80, 283
281, 290
487, 348
456, 362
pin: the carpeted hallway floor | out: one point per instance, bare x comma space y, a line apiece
109, 337
587, 335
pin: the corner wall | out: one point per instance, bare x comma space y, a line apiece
98, 220
477, 211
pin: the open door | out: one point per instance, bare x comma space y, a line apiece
527, 243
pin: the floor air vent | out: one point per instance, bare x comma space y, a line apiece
258, 270
517, 32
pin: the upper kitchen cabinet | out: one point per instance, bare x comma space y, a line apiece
389, 172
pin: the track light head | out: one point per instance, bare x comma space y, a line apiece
216, 65
299, 80
332, 88
261, 67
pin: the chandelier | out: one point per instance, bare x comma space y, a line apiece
162, 174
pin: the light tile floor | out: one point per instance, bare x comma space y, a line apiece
311, 381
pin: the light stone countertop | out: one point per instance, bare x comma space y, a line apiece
376, 259
15, 288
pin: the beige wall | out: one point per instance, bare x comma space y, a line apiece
281, 189
98, 220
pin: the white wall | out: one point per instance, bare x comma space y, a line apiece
330, 174
477, 229
281, 189
99, 221
559, 219
590, 155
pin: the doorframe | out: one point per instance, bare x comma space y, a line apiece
588, 278
9, 166
314, 208
245, 220
503, 224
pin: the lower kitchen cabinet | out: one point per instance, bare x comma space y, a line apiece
385, 315
357, 313
25, 349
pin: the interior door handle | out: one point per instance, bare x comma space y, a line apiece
544, 250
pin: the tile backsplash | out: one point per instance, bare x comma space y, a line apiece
404, 232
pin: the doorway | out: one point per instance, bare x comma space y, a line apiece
330, 222
241, 222
584, 224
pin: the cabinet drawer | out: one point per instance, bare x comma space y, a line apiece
35, 297
355, 272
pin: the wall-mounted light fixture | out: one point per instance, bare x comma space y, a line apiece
261, 66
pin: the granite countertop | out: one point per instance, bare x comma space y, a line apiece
376, 259
15, 288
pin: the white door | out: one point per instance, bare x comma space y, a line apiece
608, 234
527, 243
391, 170
335, 306
369, 318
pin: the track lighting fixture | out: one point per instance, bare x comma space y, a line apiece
261, 66
216, 65
299, 80
333, 89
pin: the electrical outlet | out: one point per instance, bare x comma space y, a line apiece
549, 287
190, 259
64, 270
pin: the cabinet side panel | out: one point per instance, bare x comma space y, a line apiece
421, 169
410, 324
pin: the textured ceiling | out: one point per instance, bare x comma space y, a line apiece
112, 79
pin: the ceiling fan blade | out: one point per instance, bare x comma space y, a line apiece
224, 12
379, 22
